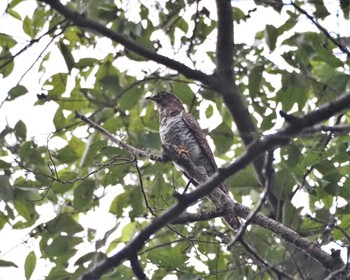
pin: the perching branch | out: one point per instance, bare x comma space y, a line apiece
257, 148
132, 150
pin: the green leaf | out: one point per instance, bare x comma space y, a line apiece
223, 138
67, 155
209, 111
238, 14
58, 272
321, 10
59, 120
62, 246
271, 34
136, 202
293, 155
255, 78
29, 264
17, 91
295, 90
20, 130
182, 25
244, 179
28, 26
24, 205
94, 257
4, 164
345, 6
6, 190
7, 41
86, 62
130, 98
290, 215
7, 62
63, 223
14, 3
83, 195
174, 258
67, 55
4, 263
284, 183
184, 92
128, 232
56, 85
119, 203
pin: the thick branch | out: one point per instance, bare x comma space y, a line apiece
226, 86
257, 148
224, 42
84, 22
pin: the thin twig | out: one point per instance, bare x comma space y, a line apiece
322, 29
268, 172
132, 150
143, 190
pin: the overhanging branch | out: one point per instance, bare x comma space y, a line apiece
84, 22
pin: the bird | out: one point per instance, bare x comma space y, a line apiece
180, 129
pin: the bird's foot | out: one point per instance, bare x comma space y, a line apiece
183, 151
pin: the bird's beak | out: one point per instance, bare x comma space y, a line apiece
151, 98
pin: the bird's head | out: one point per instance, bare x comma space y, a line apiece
166, 100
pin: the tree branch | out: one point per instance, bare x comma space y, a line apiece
132, 150
84, 22
322, 29
187, 218
268, 173
226, 86
224, 42
257, 148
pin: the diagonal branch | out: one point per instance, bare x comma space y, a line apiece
132, 150
84, 22
322, 29
257, 148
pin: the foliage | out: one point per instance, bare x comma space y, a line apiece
288, 67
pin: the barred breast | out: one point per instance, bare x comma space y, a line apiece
174, 131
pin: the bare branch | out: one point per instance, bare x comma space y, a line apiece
143, 190
132, 150
136, 267
266, 266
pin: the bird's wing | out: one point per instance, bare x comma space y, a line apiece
198, 133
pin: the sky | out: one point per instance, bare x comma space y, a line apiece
38, 118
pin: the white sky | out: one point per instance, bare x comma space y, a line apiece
39, 118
